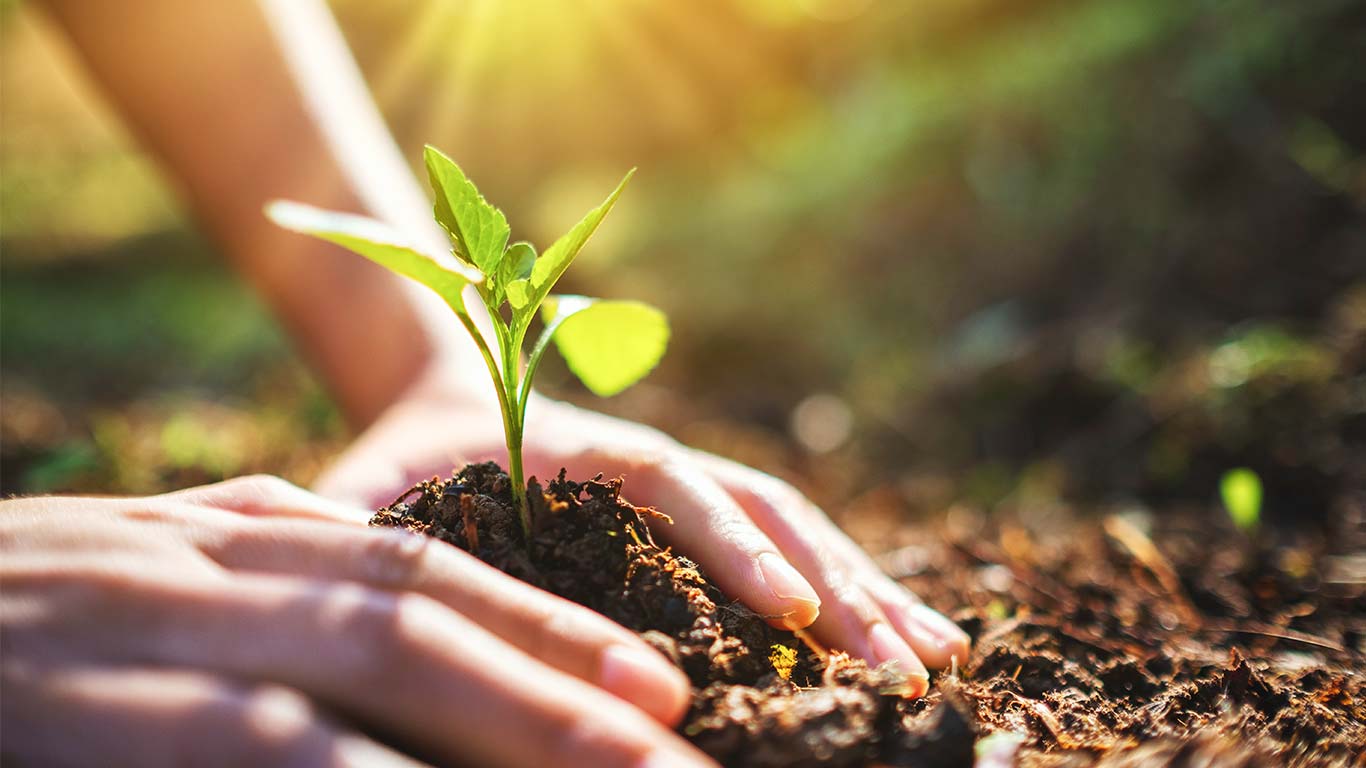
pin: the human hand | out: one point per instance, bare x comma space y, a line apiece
747, 529
253, 623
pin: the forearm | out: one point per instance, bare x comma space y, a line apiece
248, 100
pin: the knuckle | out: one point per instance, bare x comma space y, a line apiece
546, 630
369, 620
394, 559
570, 630
259, 487
738, 530
385, 631
275, 725
375, 626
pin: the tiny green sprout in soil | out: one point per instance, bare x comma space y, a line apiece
1241, 491
608, 344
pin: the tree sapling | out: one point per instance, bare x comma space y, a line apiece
608, 344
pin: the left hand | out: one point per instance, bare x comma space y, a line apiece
759, 538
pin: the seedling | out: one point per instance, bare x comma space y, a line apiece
1241, 491
609, 345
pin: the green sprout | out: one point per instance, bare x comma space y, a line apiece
608, 344
1241, 491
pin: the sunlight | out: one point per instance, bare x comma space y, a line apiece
522, 79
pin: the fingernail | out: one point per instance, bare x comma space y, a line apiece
887, 646
789, 586
947, 635
645, 680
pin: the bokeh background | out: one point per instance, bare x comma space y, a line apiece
921, 255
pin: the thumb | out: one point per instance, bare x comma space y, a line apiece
361, 480
391, 456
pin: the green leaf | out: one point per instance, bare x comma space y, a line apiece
1241, 491
609, 345
517, 262
557, 257
480, 231
515, 269
376, 241
519, 294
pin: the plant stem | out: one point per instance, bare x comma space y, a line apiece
513, 424
515, 476
512, 428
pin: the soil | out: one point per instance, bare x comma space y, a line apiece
1116, 645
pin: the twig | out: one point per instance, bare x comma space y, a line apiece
1142, 548
1266, 630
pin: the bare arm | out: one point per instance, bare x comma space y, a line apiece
248, 100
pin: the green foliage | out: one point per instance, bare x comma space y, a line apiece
609, 345
1241, 491
515, 269
479, 230
377, 242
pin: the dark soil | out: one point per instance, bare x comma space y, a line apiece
1113, 648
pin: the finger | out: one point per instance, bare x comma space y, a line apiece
361, 479
399, 451
850, 619
809, 537
267, 495
86, 716
933, 636
401, 663
788, 515
709, 527
556, 631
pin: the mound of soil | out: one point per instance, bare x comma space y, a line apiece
1100, 652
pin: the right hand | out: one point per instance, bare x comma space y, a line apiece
253, 623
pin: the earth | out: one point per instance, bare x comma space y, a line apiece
1116, 640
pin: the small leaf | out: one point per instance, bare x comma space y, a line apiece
609, 345
1241, 491
516, 268
519, 293
558, 256
480, 231
379, 243
517, 262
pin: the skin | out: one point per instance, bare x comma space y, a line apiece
252, 622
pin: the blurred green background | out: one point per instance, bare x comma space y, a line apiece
955, 251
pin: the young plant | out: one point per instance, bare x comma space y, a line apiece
1241, 491
609, 345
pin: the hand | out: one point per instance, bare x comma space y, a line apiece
253, 623
747, 529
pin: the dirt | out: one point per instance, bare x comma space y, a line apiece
1125, 641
